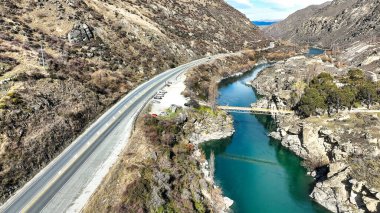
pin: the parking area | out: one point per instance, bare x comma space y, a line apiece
168, 96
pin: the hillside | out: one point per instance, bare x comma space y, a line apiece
287, 28
93, 53
351, 29
336, 22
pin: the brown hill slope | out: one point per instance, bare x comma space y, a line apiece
337, 22
94, 52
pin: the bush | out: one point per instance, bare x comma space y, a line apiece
356, 74
161, 131
16, 100
3, 106
310, 102
323, 93
193, 103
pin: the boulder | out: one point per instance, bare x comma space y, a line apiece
325, 132
338, 154
332, 193
295, 130
275, 135
80, 33
293, 143
371, 139
353, 197
228, 202
378, 195
182, 118
283, 133
371, 204
312, 143
71, 3
357, 186
335, 168
173, 108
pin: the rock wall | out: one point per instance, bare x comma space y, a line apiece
341, 152
206, 127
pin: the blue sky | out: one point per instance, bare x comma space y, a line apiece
270, 9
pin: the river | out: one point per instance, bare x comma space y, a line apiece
253, 169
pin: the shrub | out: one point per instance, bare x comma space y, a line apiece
356, 74
16, 100
11, 94
310, 102
193, 103
3, 106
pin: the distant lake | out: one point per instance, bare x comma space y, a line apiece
315, 51
264, 23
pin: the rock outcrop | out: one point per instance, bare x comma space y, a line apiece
208, 126
80, 33
341, 152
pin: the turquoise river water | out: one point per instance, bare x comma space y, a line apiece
253, 169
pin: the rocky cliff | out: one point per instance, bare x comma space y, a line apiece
341, 150
63, 63
337, 22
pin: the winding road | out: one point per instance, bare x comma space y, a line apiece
67, 182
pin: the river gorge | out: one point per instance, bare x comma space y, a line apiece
251, 168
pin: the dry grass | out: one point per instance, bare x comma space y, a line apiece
122, 174
366, 169
134, 40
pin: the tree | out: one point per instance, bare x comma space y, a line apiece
348, 95
356, 75
367, 93
322, 78
340, 97
310, 102
333, 100
299, 87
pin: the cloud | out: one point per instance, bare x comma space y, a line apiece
270, 9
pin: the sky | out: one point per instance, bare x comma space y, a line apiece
268, 10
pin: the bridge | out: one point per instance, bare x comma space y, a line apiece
254, 110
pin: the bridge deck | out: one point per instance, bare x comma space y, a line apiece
254, 110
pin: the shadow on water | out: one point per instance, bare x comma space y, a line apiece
302, 184
217, 146
245, 77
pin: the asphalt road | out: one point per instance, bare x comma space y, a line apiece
60, 183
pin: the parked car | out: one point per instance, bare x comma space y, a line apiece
163, 114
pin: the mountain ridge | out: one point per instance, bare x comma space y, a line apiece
338, 22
